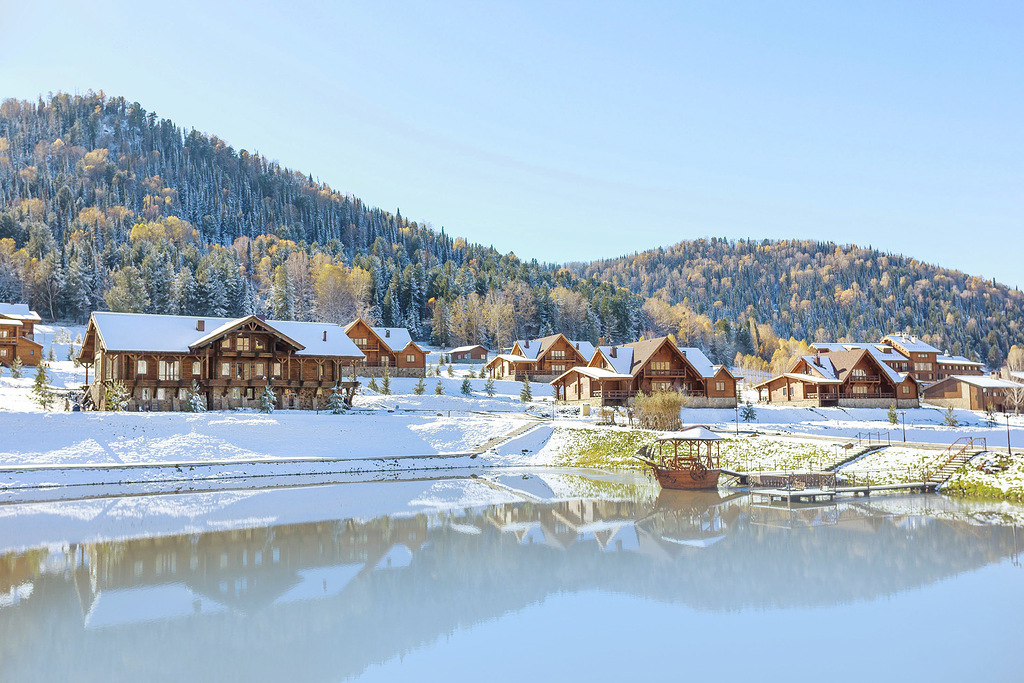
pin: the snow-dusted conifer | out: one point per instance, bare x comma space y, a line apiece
268, 400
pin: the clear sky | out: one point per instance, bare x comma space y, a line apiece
573, 131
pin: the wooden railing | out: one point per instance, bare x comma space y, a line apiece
869, 394
671, 372
957, 449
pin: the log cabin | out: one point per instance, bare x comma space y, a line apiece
922, 356
17, 335
540, 359
617, 373
387, 346
971, 392
468, 354
851, 378
924, 360
157, 357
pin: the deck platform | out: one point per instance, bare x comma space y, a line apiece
795, 495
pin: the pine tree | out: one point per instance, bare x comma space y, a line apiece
116, 396
50, 355
419, 387
16, 367
489, 387
467, 387
526, 394
438, 388
748, 414
195, 401
893, 417
385, 382
451, 370
372, 385
42, 395
268, 400
336, 403
949, 419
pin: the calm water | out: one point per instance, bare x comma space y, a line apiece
512, 579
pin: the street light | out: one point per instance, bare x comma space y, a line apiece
1009, 451
903, 415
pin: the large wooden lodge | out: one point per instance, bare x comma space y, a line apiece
17, 335
540, 359
390, 347
615, 374
231, 360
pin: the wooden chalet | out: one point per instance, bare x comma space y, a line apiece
468, 354
971, 392
540, 359
387, 346
906, 353
17, 335
853, 378
616, 373
157, 357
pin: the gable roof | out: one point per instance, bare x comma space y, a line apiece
623, 360
178, 334
395, 338
593, 373
911, 343
984, 382
234, 324
18, 312
701, 363
463, 349
844, 361
957, 360
532, 348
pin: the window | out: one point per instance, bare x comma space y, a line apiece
410, 358
906, 389
661, 386
261, 344
360, 341
226, 344
277, 369
242, 344
859, 373
236, 393
558, 354
260, 367
3, 352
225, 369
141, 367
559, 367
160, 394
922, 355
250, 393
182, 394
197, 368
659, 365
785, 391
860, 389
923, 367
3, 333
145, 394
169, 369
719, 386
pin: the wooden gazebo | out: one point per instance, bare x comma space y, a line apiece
687, 459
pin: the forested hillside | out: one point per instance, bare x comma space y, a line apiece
104, 205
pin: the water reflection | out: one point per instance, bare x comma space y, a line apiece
324, 600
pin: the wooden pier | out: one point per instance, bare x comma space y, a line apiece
799, 494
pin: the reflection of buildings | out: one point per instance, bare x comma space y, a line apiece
322, 601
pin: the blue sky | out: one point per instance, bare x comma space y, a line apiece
573, 131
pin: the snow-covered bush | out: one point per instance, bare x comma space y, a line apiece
336, 403
116, 396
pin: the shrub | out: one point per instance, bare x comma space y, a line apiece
659, 410
489, 387
526, 394
16, 367
439, 388
372, 384
451, 370
115, 396
419, 387
949, 419
467, 387
893, 418
41, 392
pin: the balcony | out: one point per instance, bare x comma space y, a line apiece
671, 372
866, 379
874, 394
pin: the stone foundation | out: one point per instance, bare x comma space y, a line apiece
378, 372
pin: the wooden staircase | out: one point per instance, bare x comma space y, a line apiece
959, 453
852, 455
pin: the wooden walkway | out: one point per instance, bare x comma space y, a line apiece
816, 495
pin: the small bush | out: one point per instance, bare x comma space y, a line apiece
439, 388
949, 419
419, 387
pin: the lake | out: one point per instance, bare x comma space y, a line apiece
508, 576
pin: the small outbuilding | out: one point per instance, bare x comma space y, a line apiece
971, 392
468, 354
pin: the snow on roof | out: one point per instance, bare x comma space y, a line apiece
701, 363
912, 343
691, 434
463, 349
396, 338
512, 358
623, 360
810, 379
18, 312
585, 348
957, 360
822, 365
984, 382
594, 373
883, 352
177, 333
311, 335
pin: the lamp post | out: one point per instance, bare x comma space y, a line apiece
903, 415
1009, 451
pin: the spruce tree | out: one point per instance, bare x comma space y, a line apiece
467, 387
50, 355
336, 403
116, 396
16, 367
195, 402
438, 388
419, 387
385, 382
372, 384
268, 400
526, 394
42, 395
950, 418
893, 418
451, 370
748, 414
489, 387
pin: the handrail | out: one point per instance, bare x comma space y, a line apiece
965, 443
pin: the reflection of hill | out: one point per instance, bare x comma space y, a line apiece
322, 601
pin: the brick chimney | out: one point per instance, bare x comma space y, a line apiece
387, 333
526, 344
615, 352
325, 335
201, 326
